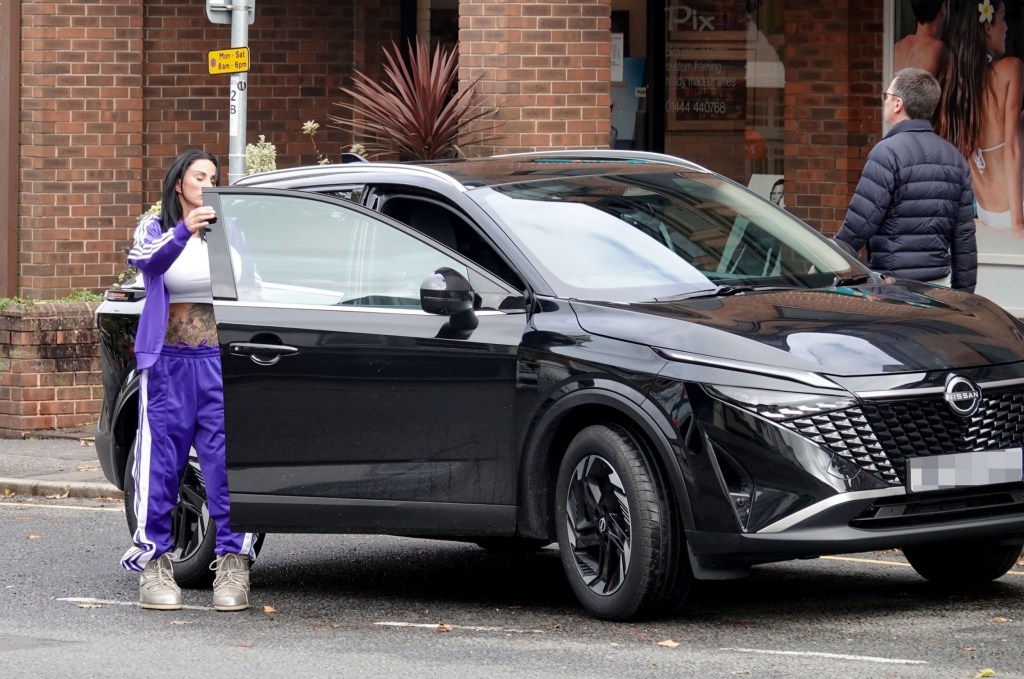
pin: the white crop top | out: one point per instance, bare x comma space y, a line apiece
188, 278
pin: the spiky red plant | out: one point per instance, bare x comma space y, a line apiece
414, 111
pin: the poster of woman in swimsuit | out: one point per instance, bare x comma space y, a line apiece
973, 48
919, 39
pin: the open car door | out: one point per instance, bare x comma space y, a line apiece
348, 407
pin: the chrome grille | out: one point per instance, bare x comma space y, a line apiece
879, 436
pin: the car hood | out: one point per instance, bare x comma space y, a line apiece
849, 331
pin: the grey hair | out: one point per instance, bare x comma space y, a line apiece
919, 91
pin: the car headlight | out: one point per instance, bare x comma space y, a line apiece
780, 405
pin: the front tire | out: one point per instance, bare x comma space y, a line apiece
193, 532
615, 527
962, 563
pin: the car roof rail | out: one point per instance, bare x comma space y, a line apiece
321, 172
284, 173
622, 155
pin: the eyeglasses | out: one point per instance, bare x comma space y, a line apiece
886, 95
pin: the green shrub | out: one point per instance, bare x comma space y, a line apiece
260, 157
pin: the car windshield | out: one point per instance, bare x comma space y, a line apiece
645, 235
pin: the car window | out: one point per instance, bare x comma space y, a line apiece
303, 251
448, 227
645, 235
351, 194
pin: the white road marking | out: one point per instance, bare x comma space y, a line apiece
881, 562
471, 628
108, 602
432, 626
85, 509
835, 656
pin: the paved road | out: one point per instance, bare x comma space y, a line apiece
373, 606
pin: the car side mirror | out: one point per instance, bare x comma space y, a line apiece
446, 292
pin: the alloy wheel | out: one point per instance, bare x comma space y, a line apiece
597, 523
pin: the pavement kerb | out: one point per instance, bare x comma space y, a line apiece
68, 488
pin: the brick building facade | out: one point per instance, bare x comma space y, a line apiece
102, 94
108, 91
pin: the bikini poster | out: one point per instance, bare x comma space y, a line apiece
973, 47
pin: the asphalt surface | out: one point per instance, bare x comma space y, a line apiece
53, 463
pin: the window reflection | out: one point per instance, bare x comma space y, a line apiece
314, 252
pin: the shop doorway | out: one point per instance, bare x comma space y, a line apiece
703, 80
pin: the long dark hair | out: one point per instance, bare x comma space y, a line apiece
170, 208
964, 79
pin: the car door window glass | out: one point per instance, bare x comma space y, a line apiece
316, 252
447, 227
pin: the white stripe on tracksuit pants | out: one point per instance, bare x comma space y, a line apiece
181, 405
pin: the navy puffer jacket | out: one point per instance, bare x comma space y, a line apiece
914, 208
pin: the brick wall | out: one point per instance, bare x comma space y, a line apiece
546, 65
80, 135
49, 367
301, 53
833, 60
112, 90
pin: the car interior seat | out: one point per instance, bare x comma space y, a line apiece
449, 229
427, 218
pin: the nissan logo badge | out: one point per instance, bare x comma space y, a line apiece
962, 396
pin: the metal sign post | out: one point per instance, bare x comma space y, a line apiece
240, 13
239, 102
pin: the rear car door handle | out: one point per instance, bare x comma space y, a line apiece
262, 354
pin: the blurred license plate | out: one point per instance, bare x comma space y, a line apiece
982, 468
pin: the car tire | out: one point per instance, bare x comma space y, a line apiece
615, 527
962, 563
193, 532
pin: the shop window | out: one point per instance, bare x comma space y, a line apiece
629, 75
933, 36
724, 83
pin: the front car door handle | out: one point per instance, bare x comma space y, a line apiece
262, 354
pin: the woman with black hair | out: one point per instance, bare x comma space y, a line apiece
181, 394
980, 111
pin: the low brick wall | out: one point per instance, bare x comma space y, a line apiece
49, 367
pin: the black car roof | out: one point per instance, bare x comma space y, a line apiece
491, 171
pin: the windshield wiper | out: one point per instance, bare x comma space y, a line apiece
717, 291
856, 279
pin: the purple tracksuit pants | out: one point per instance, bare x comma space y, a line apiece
181, 406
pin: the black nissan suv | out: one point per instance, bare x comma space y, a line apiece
623, 353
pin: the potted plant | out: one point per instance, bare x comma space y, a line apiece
417, 111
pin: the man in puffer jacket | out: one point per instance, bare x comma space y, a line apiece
913, 206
